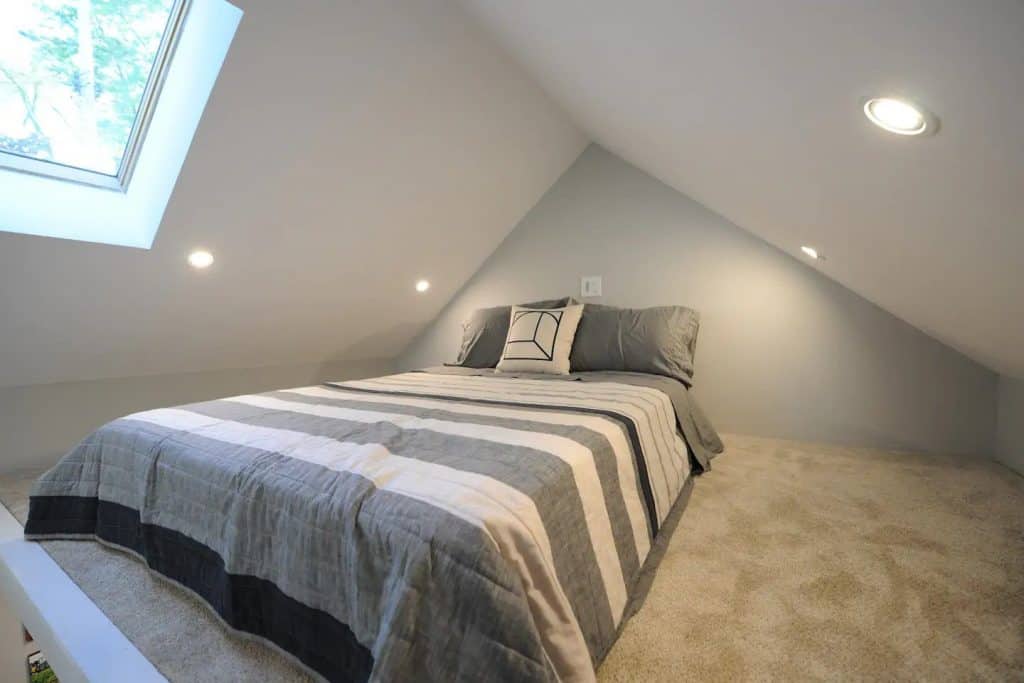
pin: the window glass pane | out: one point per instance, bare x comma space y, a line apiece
73, 74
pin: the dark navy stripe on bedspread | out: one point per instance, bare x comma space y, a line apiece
626, 422
247, 603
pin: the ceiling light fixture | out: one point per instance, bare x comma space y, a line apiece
899, 116
810, 251
422, 286
200, 258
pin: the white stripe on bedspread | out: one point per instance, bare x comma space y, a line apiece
663, 449
509, 517
658, 439
574, 454
610, 430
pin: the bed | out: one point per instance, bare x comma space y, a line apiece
444, 524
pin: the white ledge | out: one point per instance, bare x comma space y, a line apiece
79, 641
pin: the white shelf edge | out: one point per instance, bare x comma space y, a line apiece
79, 641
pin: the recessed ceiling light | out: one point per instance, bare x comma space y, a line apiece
422, 286
200, 258
899, 116
810, 251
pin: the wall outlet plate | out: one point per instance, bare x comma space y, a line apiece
590, 285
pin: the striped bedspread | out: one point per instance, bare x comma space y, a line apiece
410, 527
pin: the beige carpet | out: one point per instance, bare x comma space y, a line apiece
801, 562
790, 562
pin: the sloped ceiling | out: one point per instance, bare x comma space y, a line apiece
348, 149
753, 109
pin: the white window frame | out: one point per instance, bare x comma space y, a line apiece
49, 207
120, 181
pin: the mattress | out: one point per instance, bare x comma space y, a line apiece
442, 526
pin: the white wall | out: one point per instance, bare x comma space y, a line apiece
347, 150
40, 423
783, 351
1010, 423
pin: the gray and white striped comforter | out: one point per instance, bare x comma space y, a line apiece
439, 527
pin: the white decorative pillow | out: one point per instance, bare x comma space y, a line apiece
540, 339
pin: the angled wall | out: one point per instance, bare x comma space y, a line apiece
347, 150
783, 351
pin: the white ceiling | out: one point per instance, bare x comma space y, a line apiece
348, 149
753, 108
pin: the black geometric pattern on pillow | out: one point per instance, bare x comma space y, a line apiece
532, 335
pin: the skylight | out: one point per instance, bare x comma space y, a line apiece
78, 79
102, 95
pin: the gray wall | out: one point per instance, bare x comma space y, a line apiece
783, 350
41, 422
1010, 423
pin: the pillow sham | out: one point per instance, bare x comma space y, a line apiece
660, 340
540, 339
484, 333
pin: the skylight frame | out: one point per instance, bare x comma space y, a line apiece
119, 182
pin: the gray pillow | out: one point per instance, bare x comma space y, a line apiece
483, 335
659, 340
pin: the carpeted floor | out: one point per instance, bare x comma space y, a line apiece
791, 562
805, 562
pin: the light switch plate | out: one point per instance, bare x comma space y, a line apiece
590, 285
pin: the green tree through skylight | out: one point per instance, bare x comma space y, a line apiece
73, 74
